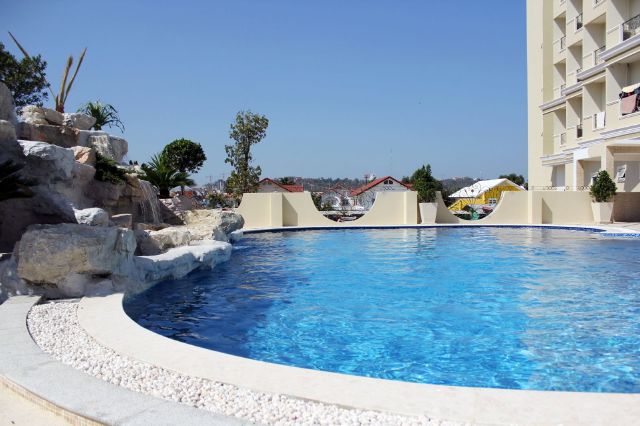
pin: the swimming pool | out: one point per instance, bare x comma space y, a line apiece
517, 308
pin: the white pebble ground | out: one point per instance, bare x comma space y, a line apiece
55, 328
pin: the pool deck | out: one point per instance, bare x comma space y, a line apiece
49, 387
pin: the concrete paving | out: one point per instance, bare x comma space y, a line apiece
78, 396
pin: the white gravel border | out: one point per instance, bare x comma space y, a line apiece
55, 328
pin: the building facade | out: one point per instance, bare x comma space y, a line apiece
365, 196
483, 194
583, 92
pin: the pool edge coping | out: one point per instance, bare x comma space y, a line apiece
106, 321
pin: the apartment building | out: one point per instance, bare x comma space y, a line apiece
583, 92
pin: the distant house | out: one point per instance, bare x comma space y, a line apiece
338, 197
366, 194
483, 194
270, 185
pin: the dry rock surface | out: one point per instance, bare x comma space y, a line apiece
55, 328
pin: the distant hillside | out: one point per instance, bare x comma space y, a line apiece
451, 185
322, 184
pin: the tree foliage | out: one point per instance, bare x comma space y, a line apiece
185, 155
25, 79
286, 181
12, 185
425, 184
515, 178
107, 170
247, 130
105, 115
163, 175
603, 188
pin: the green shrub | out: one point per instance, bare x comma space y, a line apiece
603, 188
107, 170
425, 184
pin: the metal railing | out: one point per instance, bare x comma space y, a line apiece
596, 55
579, 22
630, 27
579, 131
558, 188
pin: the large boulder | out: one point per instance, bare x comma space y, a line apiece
57, 255
213, 224
78, 121
33, 114
156, 242
84, 155
93, 216
108, 146
7, 131
57, 135
7, 107
47, 162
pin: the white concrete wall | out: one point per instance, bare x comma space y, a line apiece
274, 210
401, 208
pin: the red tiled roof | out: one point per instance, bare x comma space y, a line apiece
376, 182
288, 188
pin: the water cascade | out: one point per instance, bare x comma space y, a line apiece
150, 204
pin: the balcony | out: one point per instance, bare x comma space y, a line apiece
631, 27
560, 141
579, 21
596, 55
599, 120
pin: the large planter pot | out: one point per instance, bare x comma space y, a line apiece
428, 212
602, 212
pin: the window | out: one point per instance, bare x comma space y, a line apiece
621, 173
493, 201
388, 182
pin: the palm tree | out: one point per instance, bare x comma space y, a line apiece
105, 115
12, 185
159, 173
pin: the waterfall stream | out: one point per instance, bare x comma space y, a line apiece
150, 204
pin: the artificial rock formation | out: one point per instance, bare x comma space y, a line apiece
70, 257
93, 216
212, 224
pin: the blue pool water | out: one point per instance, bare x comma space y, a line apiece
516, 308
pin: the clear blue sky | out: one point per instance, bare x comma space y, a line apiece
349, 86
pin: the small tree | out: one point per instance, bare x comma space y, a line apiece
247, 130
515, 178
603, 188
425, 184
105, 115
286, 181
185, 155
163, 175
25, 79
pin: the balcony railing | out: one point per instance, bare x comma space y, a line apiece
579, 131
631, 27
579, 22
596, 55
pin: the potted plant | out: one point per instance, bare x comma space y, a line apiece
602, 191
427, 187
